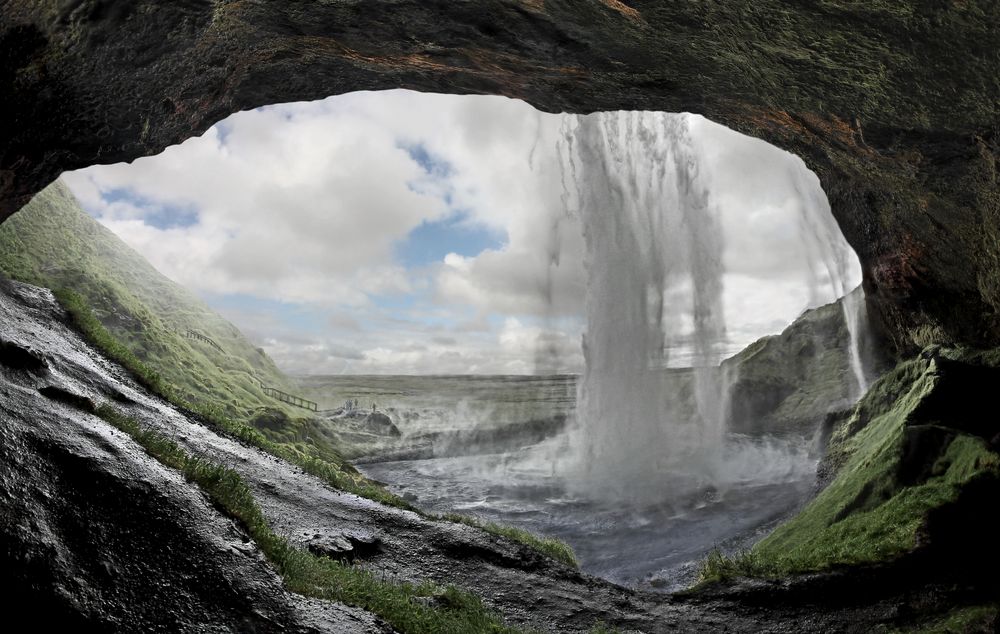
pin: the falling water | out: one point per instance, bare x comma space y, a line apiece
654, 247
823, 238
648, 227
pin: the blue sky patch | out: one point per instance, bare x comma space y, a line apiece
434, 166
429, 242
298, 317
154, 214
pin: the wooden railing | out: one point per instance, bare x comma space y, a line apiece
190, 334
274, 393
291, 399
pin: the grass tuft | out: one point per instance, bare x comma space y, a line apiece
554, 548
719, 567
408, 608
980, 618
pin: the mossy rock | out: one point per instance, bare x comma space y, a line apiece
909, 469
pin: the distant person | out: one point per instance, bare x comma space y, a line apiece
373, 407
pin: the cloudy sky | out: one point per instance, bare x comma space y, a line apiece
407, 233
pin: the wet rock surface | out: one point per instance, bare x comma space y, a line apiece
98, 536
105, 535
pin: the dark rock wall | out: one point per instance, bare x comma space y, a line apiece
894, 104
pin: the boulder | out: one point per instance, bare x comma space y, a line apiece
379, 423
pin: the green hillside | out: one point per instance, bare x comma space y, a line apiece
53, 243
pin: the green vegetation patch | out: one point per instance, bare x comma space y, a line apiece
979, 618
717, 566
554, 548
897, 457
411, 609
603, 628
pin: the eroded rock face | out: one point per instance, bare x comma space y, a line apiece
894, 105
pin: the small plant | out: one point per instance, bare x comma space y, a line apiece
717, 566
977, 618
603, 628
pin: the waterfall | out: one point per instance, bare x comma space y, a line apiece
650, 234
822, 237
654, 266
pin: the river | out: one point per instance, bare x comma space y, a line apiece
511, 481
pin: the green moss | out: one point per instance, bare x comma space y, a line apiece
450, 611
965, 620
895, 460
554, 548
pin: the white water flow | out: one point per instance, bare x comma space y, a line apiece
822, 237
654, 264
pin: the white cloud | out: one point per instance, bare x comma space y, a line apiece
306, 204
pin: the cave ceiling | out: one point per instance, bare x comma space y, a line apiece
893, 104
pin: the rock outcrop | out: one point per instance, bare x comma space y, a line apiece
95, 535
893, 104
909, 471
791, 382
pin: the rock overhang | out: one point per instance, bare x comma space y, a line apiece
893, 105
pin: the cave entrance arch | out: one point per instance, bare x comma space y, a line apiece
908, 171
419, 153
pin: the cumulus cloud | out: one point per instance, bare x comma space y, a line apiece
305, 208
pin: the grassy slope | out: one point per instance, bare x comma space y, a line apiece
326, 465
53, 243
789, 382
912, 445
